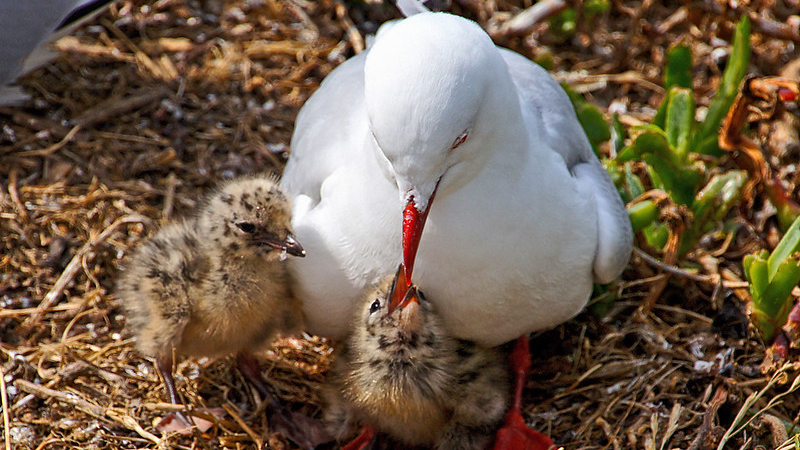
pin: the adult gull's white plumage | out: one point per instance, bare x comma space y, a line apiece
26, 26
524, 219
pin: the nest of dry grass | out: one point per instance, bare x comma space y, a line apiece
155, 101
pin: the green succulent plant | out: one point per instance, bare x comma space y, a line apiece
772, 278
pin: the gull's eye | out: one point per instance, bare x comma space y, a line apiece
247, 227
460, 139
376, 305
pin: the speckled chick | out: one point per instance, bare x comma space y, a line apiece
403, 374
215, 283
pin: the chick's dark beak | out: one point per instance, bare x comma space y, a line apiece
289, 245
399, 288
405, 298
411, 299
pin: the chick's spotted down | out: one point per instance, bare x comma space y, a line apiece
403, 374
216, 283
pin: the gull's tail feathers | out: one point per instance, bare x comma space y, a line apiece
411, 7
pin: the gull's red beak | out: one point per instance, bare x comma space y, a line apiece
413, 224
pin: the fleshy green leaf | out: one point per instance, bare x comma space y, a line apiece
680, 120
592, 8
719, 194
677, 178
772, 279
626, 154
731, 78
757, 272
656, 234
712, 204
618, 133
591, 119
660, 118
563, 25
707, 146
643, 214
789, 244
678, 72
634, 186
593, 123
603, 298
770, 310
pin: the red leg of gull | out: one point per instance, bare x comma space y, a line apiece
363, 439
515, 435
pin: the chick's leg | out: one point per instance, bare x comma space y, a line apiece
515, 434
304, 431
164, 366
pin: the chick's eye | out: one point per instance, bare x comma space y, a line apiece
460, 140
247, 227
376, 305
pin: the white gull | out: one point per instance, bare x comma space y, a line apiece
525, 218
27, 26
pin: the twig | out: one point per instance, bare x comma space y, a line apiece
164, 406
298, 12
72, 44
776, 429
12, 190
255, 437
169, 200
157, 70
627, 77
54, 295
702, 438
674, 19
87, 407
117, 107
674, 217
762, 24
739, 423
353, 36
25, 311
50, 127
131, 424
528, 18
669, 268
47, 393
480, 8
672, 425
668, 308
53, 148
6, 419
710, 279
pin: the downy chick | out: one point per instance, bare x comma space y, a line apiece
403, 374
214, 284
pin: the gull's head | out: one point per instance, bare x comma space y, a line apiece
250, 216
435, 87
